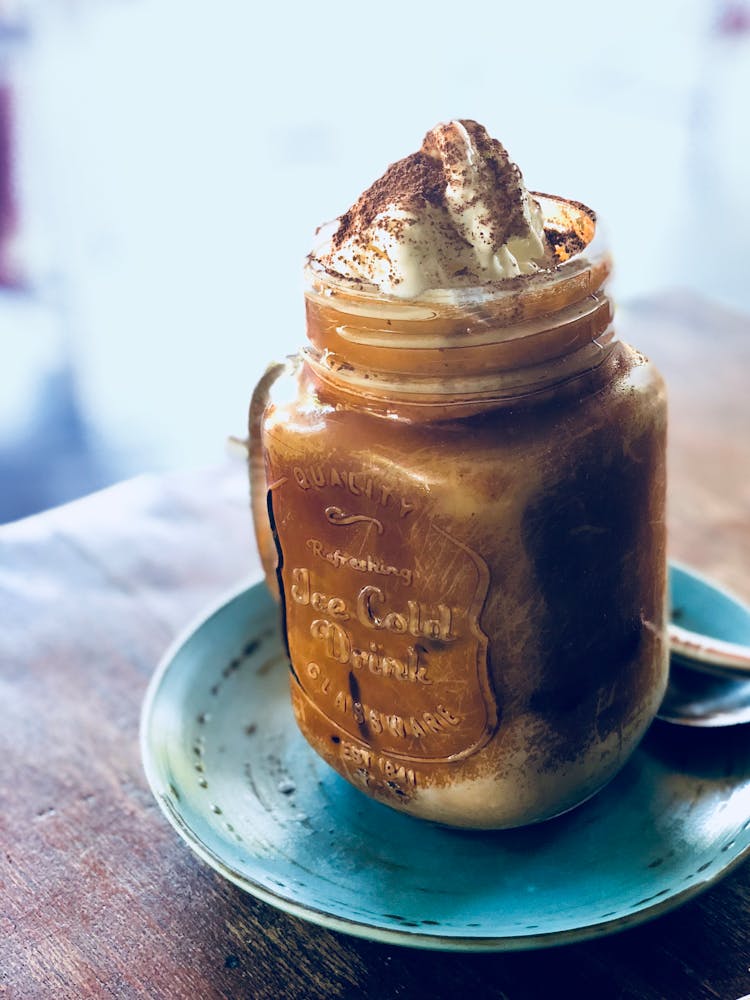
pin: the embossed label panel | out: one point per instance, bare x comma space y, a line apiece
382, 608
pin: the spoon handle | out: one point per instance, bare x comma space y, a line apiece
709, 655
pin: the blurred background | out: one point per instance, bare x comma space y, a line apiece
164, 164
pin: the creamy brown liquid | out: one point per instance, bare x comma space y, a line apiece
474, 606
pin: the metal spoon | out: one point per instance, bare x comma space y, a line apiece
708, 654
695, 698
709, 681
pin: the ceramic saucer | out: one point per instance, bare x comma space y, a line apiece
240, 785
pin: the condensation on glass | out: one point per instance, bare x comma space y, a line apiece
460, 502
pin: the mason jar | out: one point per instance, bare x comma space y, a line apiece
459, 500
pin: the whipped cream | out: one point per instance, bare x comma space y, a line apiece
454, 214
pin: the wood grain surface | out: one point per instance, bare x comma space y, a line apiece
98, 896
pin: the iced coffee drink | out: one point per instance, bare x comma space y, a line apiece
459, 491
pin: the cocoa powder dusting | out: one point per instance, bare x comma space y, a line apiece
423, 177
410, 182
565, 243
503, 196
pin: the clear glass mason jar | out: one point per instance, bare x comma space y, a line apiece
460, 502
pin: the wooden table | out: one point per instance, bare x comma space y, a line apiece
99, 898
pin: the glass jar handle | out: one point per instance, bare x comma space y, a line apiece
258, 482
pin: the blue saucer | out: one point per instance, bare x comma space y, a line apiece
232, 774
